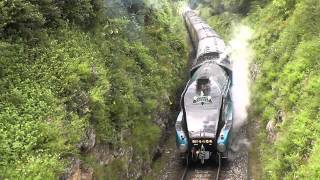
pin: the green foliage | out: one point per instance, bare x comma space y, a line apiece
143, 138
224, 15
224, 23
31, 20
116, 170
287, 48
45, 107
57, 80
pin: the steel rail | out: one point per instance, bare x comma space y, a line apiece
185, 172
218, 173
184, 175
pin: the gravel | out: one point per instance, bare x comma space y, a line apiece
233, 168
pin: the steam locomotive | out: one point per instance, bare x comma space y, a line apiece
205, 120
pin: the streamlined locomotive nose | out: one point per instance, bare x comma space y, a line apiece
203, 125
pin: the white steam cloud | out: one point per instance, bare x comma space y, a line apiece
241, 56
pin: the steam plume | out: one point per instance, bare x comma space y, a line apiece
241, 56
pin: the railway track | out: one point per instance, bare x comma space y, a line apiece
202, 172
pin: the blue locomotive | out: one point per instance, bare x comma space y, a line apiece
205, 120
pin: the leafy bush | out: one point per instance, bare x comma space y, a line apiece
57, 80
288, 54
31, 20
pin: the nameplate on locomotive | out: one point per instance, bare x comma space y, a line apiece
202, 100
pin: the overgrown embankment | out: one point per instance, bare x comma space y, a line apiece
285, 91
75, 76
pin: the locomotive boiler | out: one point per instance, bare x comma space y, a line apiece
205, 120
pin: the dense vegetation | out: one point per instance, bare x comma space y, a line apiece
224, 15
285, 93
68, 66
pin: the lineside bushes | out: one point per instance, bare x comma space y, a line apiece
67, 67
286, 93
